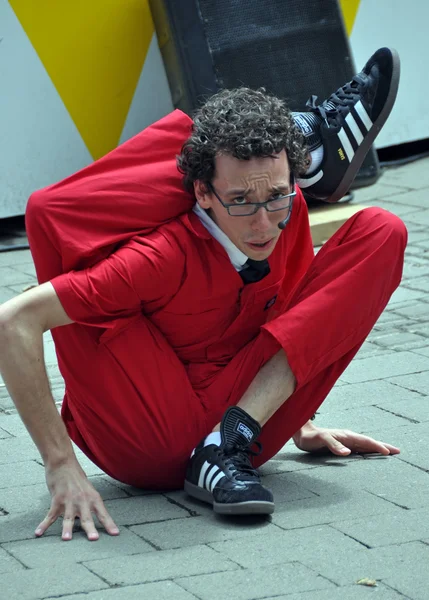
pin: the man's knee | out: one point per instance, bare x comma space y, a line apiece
385, 227
35, 210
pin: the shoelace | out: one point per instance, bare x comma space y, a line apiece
331, 110
240, 461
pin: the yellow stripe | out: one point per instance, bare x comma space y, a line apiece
350, 9
93, 51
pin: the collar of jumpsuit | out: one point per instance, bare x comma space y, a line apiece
250, 270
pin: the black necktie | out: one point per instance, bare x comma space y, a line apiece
255, 270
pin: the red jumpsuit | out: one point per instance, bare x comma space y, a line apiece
166, 335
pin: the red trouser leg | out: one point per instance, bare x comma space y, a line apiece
328, 318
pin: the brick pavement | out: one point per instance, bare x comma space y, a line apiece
336, 520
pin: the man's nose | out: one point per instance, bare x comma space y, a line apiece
261, 220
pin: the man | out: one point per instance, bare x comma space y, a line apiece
184, 348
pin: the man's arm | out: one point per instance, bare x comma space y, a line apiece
23, 320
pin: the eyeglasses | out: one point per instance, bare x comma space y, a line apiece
279, 202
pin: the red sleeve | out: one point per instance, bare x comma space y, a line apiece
142, 275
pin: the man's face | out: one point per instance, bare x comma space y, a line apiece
256, 180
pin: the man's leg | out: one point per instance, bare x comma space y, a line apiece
341, 129
331, 313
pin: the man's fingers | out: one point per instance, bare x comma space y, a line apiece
337, 447
68, 523
87, 524
50, 518
368, 444
105, 519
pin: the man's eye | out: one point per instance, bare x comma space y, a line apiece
277, 196
240, 200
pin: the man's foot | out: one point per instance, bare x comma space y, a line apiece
351, 120
223, 475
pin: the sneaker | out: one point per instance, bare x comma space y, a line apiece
351, 120
223, 475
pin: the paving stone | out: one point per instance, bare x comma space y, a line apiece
368, 350
417, 382
419, 284
387, 529
413, 440
415, 310
36, 553
381, 367
414, 176
360, 395
402, 294
163, 590
157, 566
422, 351
424, 244
329, 508
400, 210
22, 525
8, 563
420, 217
6, 294
256, 583
143, 509
415, 268
356, 592
16, 257
27, 267
91, 470
418, 198
42, 583
379, 190
12, 277
369, 483
416, 410
291, 545
401, 340
15, 450
4, 435
13, 425
357, 420
346, 567
417, 235
22, 473
200, 530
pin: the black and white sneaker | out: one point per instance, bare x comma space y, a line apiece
351, 120
223, 475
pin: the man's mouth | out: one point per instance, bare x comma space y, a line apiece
260, 245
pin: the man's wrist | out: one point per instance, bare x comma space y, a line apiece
304, 429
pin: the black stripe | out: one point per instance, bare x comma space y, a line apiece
359, 121
351, 137
215, 475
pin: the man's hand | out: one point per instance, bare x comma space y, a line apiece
339, 441
73, 496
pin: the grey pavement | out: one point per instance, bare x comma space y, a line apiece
338, 521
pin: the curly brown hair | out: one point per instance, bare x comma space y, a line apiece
245, 123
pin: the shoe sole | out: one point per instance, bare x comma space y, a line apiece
253, 507
363, 149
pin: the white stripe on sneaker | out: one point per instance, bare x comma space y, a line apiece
214, 481
359, 108
354, 128
203, 471
210, 476
345, 142
304, 183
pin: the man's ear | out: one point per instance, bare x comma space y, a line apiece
202, 194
